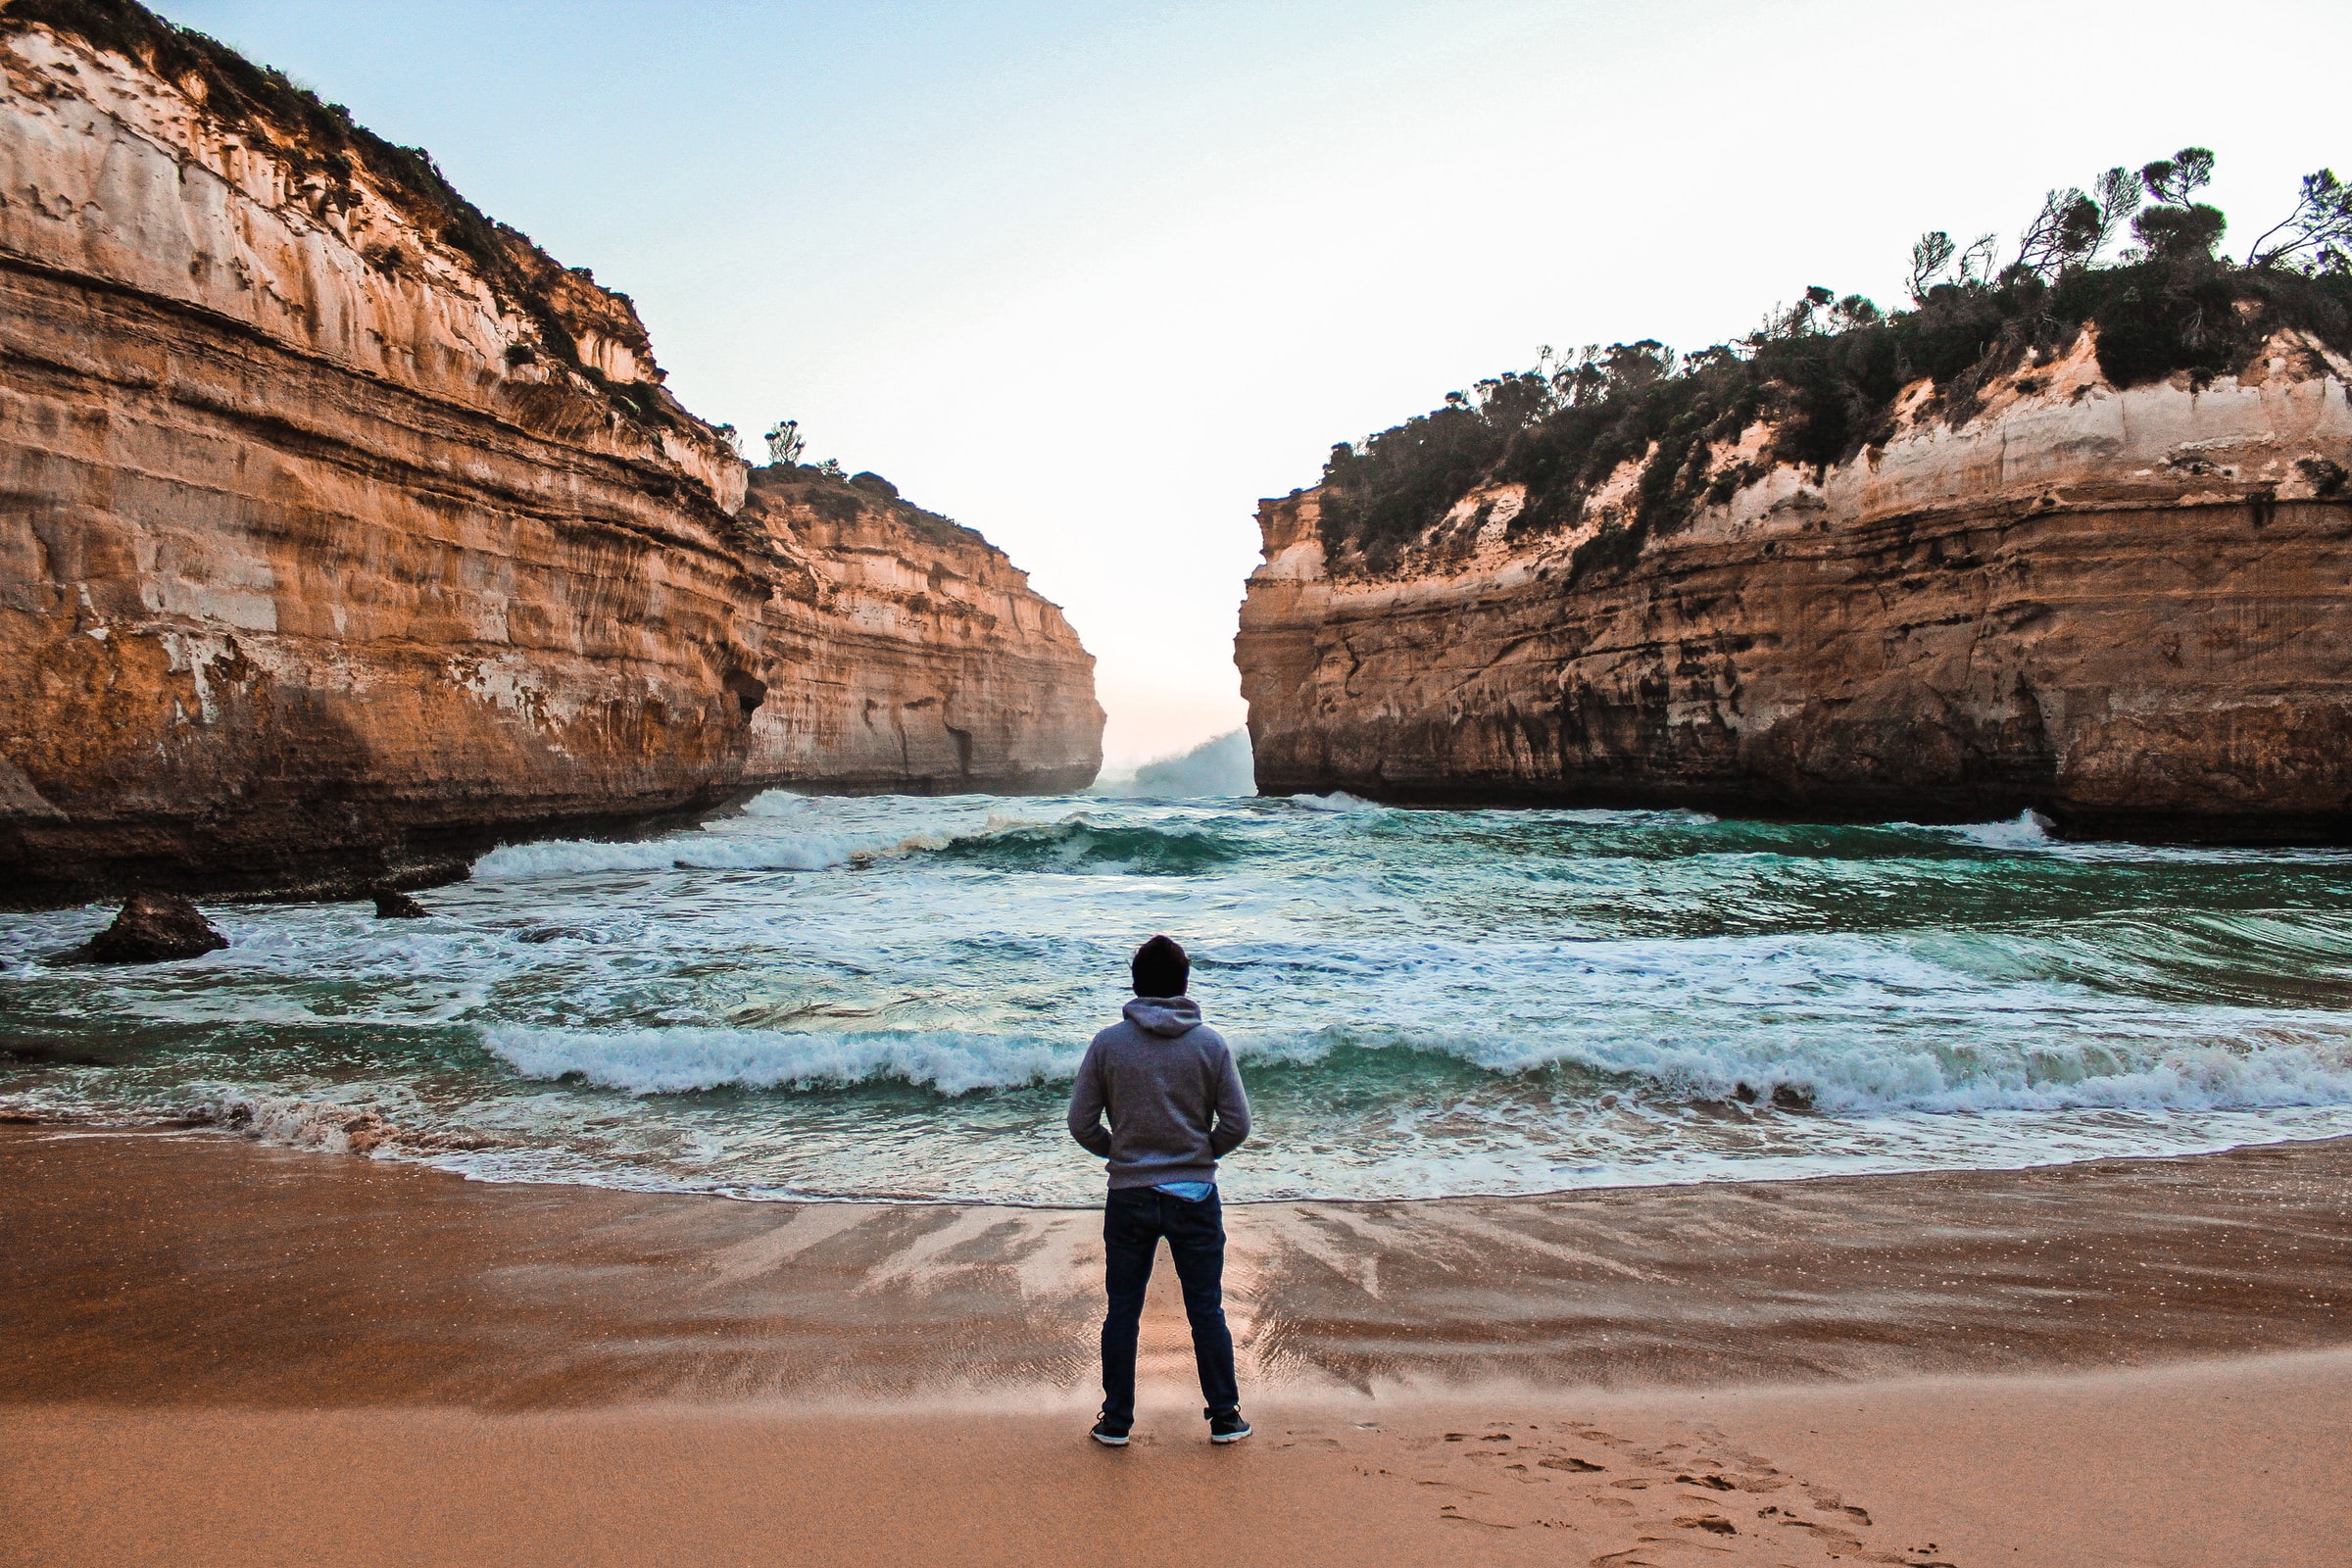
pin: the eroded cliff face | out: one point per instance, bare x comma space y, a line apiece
2129, 609
343, 533
905, 653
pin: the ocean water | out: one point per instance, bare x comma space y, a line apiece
885, 998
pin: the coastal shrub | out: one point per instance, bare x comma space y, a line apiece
1826, 372
643, 398
830, 495
2328, 477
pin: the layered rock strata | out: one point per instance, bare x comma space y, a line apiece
905, 653
343, 533
2129, 610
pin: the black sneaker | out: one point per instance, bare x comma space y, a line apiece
1111, 1434
1227, 1426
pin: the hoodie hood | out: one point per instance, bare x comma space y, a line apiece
1165, 1016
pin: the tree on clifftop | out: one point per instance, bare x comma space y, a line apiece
2177, 228
784, 443
2320, 227
1822, 378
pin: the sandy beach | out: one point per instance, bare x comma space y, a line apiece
228, 1353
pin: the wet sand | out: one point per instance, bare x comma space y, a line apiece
221, 1352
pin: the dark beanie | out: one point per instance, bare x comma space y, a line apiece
1160, 969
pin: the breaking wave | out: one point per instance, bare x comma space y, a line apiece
1339, 803
2028, 830
1828, 1073
685, 851
291, 1123
679, 1060
1084, 844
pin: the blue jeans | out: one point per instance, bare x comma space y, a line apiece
1134, 1219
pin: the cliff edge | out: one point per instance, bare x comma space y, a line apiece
2123, 605
343, 533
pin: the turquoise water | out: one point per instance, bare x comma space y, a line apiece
885, 997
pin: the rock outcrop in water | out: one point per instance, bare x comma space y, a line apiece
153, 928
344, 533
2125, 608
393, 904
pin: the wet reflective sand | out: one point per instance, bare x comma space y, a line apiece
161, 1268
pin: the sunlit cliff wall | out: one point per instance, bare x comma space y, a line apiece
343, 533
2129, 609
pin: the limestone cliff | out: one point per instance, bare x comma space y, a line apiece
2128, 608
343, 533
905, 653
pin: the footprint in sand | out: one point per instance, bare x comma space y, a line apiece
1714, 1523
1453, 1514
1640, 1503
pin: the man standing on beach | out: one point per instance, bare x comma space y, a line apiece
1167, 1083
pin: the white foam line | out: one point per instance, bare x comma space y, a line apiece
678, 1060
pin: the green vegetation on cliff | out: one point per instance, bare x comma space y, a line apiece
1827, 371
842, 501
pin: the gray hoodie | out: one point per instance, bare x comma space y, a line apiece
1167, 1083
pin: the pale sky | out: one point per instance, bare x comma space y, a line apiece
1093, 278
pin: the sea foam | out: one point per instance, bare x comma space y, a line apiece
681, 1059
1832, 1072
886, 996
2028, 830
1339, 803
291, 1121
695, 851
